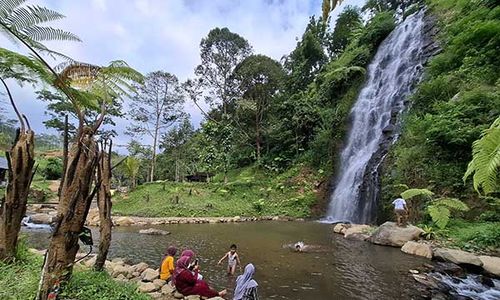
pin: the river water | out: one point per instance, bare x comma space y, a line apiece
341, 269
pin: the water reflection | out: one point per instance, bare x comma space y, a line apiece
345, 270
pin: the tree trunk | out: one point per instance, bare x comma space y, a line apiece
176, 168
74, 203
104, 205
13, 205
257, 139
153, 159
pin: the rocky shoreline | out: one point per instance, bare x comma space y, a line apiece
146, 278
452, 262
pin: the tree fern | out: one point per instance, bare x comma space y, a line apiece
485, 164
451, 203
24, 24
410, 193
440, 215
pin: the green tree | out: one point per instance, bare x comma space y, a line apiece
220, 52
259, 78
131, 168
174, 145
348, 23
156, 107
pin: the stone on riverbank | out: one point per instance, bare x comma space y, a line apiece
140, 267
167, 289
356, 231
150, 274
147, 287
340, 228
458, 257
418, 249
124, 221
390, 234
152, 231
491, 264
159, 282
122, 270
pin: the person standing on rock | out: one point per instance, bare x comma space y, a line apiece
400, 210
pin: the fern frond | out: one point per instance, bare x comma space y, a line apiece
451, 203
7, 6
24, 17
416, 192
38, 33
440, 215
485, 163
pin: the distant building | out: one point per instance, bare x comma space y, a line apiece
3, 170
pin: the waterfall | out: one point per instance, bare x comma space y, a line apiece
391, 76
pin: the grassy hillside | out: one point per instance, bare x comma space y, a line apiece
249, 192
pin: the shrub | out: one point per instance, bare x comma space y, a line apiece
54, 169
378, 29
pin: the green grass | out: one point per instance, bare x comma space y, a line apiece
20, 281
471, 236
249, 192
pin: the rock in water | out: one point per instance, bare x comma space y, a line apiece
419, 249
41, 219
340, 228
491, 264
152, 231
458, 257
390, 234
124, 221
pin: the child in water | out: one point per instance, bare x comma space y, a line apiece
232, 260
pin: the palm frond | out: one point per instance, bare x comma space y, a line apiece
410, 193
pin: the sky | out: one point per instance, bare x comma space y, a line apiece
165, 35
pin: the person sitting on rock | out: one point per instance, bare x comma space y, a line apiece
194, 262
246, 286
400, 210
187, 283
167, 264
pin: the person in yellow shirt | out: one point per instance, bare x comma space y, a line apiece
167, 264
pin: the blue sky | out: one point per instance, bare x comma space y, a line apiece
165, 35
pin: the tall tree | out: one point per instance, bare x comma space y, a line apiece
221, 51
156, 107
173, 143
259, 78
347, 23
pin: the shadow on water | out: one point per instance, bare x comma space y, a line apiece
341, 270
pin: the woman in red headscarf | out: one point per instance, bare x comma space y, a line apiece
187, 283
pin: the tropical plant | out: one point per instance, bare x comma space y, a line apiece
485, 163
131, 168
429, 232
439, 209
328, 6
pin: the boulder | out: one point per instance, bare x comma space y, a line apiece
491, 264
150, 274
458, 257
159, 282
41, 219
155, 295
121, 270
118, 261
90, 262
140, 267
449, 268
340, 228
178, 295
216, 298
147, 287
390, 234
152, 231
121, 278
357, 236
124, 221
167, 289
192, 297
356, 229
37, 252
418, 249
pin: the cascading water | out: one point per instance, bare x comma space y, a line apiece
395, 69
